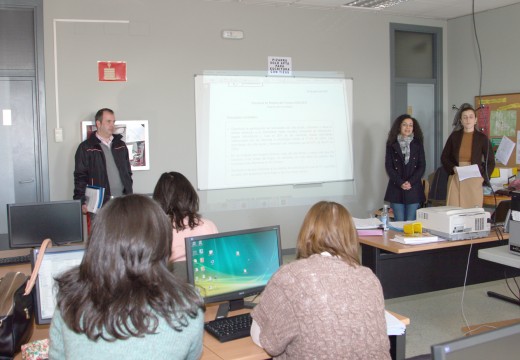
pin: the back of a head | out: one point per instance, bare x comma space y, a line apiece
177, 197
123, 286
328, 226
130, 235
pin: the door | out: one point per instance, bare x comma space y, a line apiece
18, 155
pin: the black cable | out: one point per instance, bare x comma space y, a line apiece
487, 177
509, 287
479, 52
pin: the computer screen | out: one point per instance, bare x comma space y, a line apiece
56, 261
30, 224
502, 343
233, 265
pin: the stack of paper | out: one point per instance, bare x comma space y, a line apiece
368, 227
394, 326
370, 223
418, 238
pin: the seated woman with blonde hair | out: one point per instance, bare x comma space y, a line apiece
324, 305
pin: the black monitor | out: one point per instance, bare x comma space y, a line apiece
502, 343
233, 265
56, 261
30, 224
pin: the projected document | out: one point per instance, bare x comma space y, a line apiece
259, 131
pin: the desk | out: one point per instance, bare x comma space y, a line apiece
246, 349
413, 269
489, 200
213, 350
501, 255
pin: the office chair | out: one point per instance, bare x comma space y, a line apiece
501, 212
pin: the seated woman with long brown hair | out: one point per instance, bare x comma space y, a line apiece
122, 302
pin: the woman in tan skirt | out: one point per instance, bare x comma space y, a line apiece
467, 146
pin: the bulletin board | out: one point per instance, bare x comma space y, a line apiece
500, 116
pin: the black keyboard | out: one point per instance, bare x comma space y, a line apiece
230, 328
23, 259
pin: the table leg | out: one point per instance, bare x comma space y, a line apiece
398, 346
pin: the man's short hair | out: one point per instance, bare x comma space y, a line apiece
99, 114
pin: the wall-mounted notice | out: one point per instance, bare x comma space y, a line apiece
266, 131
111, 70
277, 65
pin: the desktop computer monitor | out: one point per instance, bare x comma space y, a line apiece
56, 261
233, 265
501, 343
29, 224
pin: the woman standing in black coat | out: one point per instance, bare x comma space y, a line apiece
405, 164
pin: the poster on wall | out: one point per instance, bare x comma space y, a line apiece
498, 117
135, 135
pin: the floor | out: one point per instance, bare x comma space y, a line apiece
438, 316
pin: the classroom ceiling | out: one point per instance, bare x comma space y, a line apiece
430, 9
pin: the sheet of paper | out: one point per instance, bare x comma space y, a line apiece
394, 326
505, 149
468, 172
370, 223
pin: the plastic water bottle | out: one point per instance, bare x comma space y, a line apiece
384, 217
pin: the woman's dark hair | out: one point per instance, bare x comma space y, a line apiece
457, 119
123, 286
178, 199
396, 129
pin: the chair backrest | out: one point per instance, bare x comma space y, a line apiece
500, 214
438, 188
426, 187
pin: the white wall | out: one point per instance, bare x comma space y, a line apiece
498, 34
167, 42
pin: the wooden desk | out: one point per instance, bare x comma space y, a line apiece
489, 200
413, 269
246, 349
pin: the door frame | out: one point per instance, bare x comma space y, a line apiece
396, 83
38, 74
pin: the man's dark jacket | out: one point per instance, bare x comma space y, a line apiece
90, 166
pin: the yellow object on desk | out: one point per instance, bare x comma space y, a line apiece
413, 228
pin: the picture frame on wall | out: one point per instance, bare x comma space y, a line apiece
135, 135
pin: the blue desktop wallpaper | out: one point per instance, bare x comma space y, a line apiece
233, 263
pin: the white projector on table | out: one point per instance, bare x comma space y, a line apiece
455, 223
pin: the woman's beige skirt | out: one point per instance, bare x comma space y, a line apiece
466, 193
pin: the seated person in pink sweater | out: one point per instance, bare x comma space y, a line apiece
324, 305
180, 201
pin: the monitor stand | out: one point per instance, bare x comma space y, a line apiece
232, 305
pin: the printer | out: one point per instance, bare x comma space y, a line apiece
455, 223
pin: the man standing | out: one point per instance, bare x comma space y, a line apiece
102, 160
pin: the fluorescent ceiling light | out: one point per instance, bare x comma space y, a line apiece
373, 4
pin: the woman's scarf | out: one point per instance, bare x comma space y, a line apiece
404, 143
